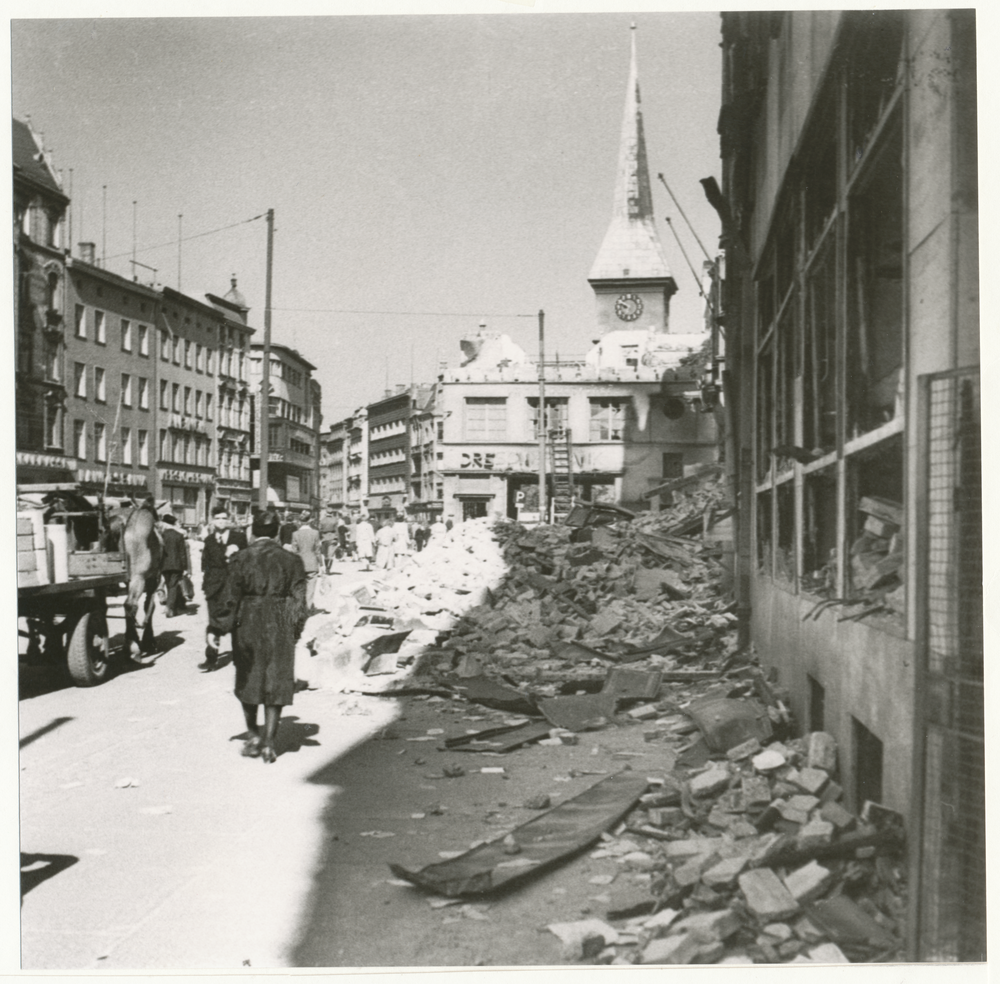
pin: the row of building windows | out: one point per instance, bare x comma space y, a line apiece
288, 373
234, 412
133, 388
122, 447
291, 411
133, 336
184, 449
486, 417
179, 400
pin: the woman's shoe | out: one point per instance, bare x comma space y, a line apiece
267, 753
251, 748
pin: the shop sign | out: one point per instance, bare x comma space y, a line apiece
588, 459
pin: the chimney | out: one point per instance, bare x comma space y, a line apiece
87, 252
400, 388
388, 393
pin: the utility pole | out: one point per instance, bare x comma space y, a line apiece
542, 510
265, 369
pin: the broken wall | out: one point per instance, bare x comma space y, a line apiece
866, 675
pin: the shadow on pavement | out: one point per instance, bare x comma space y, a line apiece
36, 868
293, 734
44, 730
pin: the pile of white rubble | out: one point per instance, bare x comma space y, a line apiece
424, 594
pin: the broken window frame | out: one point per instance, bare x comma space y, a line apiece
803, 354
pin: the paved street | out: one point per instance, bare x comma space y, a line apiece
206, 859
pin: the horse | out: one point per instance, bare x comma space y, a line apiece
143, 549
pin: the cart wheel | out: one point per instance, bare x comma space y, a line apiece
87, 652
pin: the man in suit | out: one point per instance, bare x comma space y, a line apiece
175, 565
220, 545
306, 543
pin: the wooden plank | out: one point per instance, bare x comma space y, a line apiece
544, 841
95, 564
884, 509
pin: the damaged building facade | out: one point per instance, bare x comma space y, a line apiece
850, 218
618, 422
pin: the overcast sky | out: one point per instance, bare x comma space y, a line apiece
428, 166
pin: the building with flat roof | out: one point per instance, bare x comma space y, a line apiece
294, 422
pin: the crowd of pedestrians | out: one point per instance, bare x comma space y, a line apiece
259, 581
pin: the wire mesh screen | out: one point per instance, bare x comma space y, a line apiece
951, 876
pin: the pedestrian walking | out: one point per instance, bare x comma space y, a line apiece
220, 547
385, 541
364, 535
266, 613
401, 539
175, 565
342, 530
422, 535
288, 527
438, 529
306, 543
328, 524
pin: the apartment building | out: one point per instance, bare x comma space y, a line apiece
333, 465
233, 488
112, 372
41, 454
294, 423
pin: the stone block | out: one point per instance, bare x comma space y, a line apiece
834, 813
666, 816
690, 847
816, 833
827, 953
724, 873
807, 931
661, 920
744, 750
778, 931
768, 760
645, 712
708, 953
811, 781
789, 812
709, 927
822, 752
756, 792
808, 882
671, 950
766, 897
707, 783
803, 803
790, 948
690, 872
832, 793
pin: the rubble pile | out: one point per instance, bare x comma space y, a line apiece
752, 859
384, 623
877, 554
734, 847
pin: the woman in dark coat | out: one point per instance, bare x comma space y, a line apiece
266, 614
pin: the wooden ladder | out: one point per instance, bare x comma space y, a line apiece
561, 464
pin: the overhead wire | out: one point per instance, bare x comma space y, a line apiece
187, 239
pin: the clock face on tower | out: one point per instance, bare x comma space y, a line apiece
628, 307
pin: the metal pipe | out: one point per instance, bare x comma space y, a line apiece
541, 418
684, 216
265, 369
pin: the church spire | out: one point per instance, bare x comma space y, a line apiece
631, 250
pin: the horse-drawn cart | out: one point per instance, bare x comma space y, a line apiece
63, 592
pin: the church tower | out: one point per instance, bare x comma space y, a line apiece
631, 278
